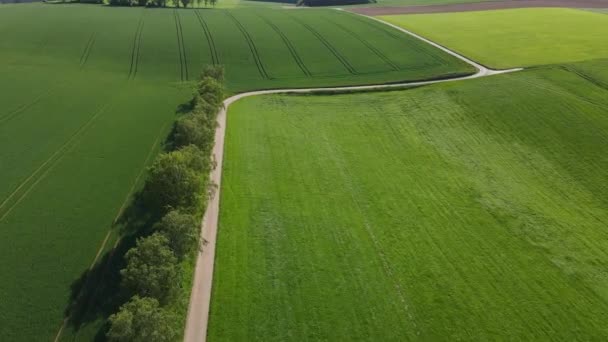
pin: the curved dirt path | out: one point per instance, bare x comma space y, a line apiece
200, 297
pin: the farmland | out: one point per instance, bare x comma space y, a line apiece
514, 38
427, 214
88, 95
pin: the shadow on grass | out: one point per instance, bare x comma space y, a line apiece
98, 293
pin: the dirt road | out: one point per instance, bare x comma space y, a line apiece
200, 298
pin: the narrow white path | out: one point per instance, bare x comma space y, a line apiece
200, 298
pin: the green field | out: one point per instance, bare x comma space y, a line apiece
88, 94
515, 38
426, 214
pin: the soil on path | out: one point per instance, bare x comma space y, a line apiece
480, 6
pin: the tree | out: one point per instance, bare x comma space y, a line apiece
185, 3
181, 230
198, 130
214, 71
174, 179
213, 2
210, 90
151, 268
141, 320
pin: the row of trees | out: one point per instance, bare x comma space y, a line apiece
161, 3
177, 183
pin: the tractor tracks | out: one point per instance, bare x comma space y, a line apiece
136, 47
87, 50
252, 47
180, 46
290, 47
215, 60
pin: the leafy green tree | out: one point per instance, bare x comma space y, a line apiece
210, 90
152, 268
175, 180
141, 320
214, 71
195, 129
181, 230
185, 3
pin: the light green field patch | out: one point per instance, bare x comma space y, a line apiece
466, 211
518, 37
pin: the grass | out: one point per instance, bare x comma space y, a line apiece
88, 94
515, 38
427, 214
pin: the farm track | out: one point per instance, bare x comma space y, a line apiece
24, 189
292, 49
181, 47
212, 49
136, 47
200, 298
328, 45
252, 47
87, 50
371, 47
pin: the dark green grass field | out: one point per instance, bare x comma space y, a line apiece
426, 214
87, 96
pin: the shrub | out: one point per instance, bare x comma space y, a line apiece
175, 179
181, 230
141, 320
152, 268
214, 71
197, 130
210, 90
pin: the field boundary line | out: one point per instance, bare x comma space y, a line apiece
212, 49
200, 297
367, 44
87, 49
120, 211
252, 47
289, 44
328, 45
180, 46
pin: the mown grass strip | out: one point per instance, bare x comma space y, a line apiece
212, 49
327, 44
292, 49
252, 47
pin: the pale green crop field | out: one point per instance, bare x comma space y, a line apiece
517, 37
472, 210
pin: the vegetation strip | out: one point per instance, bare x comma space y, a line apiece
371, 47
252, 47
332, 49
289, 45
212, 49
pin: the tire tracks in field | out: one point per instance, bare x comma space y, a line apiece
371, 47
180, 46
328, 45
200, 298
40, 173
215, 60
289, 44
87, 50
252, 47
136, 47
14, 113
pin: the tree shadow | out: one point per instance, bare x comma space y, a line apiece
97, 293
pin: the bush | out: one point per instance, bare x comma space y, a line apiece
152, 268
175, 179
197, 130
141, 319
214, 71
210, 90
181, 230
